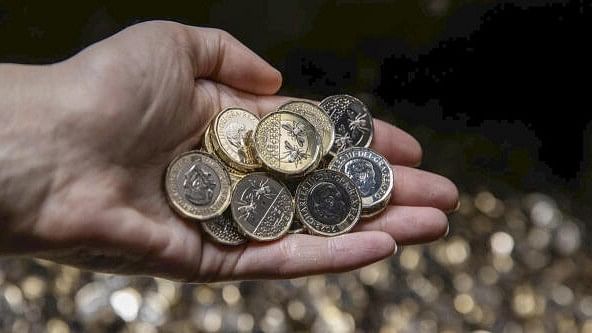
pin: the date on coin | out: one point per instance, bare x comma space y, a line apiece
328, 203
262, 207
197, 186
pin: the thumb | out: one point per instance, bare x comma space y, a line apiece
218, 56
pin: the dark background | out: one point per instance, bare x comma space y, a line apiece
497, 92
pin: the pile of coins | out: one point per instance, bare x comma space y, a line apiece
302, 168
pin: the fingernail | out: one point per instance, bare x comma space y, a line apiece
447, 230
455, 209
396, 249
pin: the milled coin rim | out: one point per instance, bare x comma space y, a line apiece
371, 136
223, 176
337, 163
250, 234
310, 228
332, 138
222, 151
302, 171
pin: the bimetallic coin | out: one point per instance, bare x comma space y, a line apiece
287, 143
371, 173
224, 230
375, 210
328, 203
352, 121
231, 130
318, 118
197, 186
262, 207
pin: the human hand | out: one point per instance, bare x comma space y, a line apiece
86, 185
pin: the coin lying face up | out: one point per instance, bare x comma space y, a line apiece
287, 143
352, 121
328, 203
318, 118
223, 230
230, 134
197, 186
370, 172
262, 207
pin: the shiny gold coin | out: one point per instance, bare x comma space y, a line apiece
262, 207
318, 118
287, 143
230, 134
224, 230
207, 141
197, 186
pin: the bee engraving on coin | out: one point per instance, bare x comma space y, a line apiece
317, 117
262, 207
197, 186
328, 203
224, 230
287, 143
231, 131
370, 172
352, 121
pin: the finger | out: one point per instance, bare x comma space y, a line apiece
297, 255
414, 187
395, 144
408, 225
220, 57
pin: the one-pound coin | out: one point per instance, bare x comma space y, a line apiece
352, 121
262, 207
230, 133
328, 203
197, 186
224, 230
371, 173
318, 118
287, 143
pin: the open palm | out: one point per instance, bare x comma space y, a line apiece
146, 95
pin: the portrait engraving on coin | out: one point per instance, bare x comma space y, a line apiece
352, 121
364, 174
370, 172
201, 184
232, 129
328, 203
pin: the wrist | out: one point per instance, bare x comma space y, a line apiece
28, 154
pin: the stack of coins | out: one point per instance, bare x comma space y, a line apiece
304, 168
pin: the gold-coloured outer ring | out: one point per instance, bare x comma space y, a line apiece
207, 142
177, 208
220, 152
283, 231
325, 145
285, 173
375, 210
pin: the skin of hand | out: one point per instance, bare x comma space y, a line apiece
85, 144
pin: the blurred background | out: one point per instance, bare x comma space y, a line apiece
497, 93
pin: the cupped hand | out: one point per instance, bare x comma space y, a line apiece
137, 99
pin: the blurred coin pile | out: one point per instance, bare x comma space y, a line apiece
508, 265
259, 179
